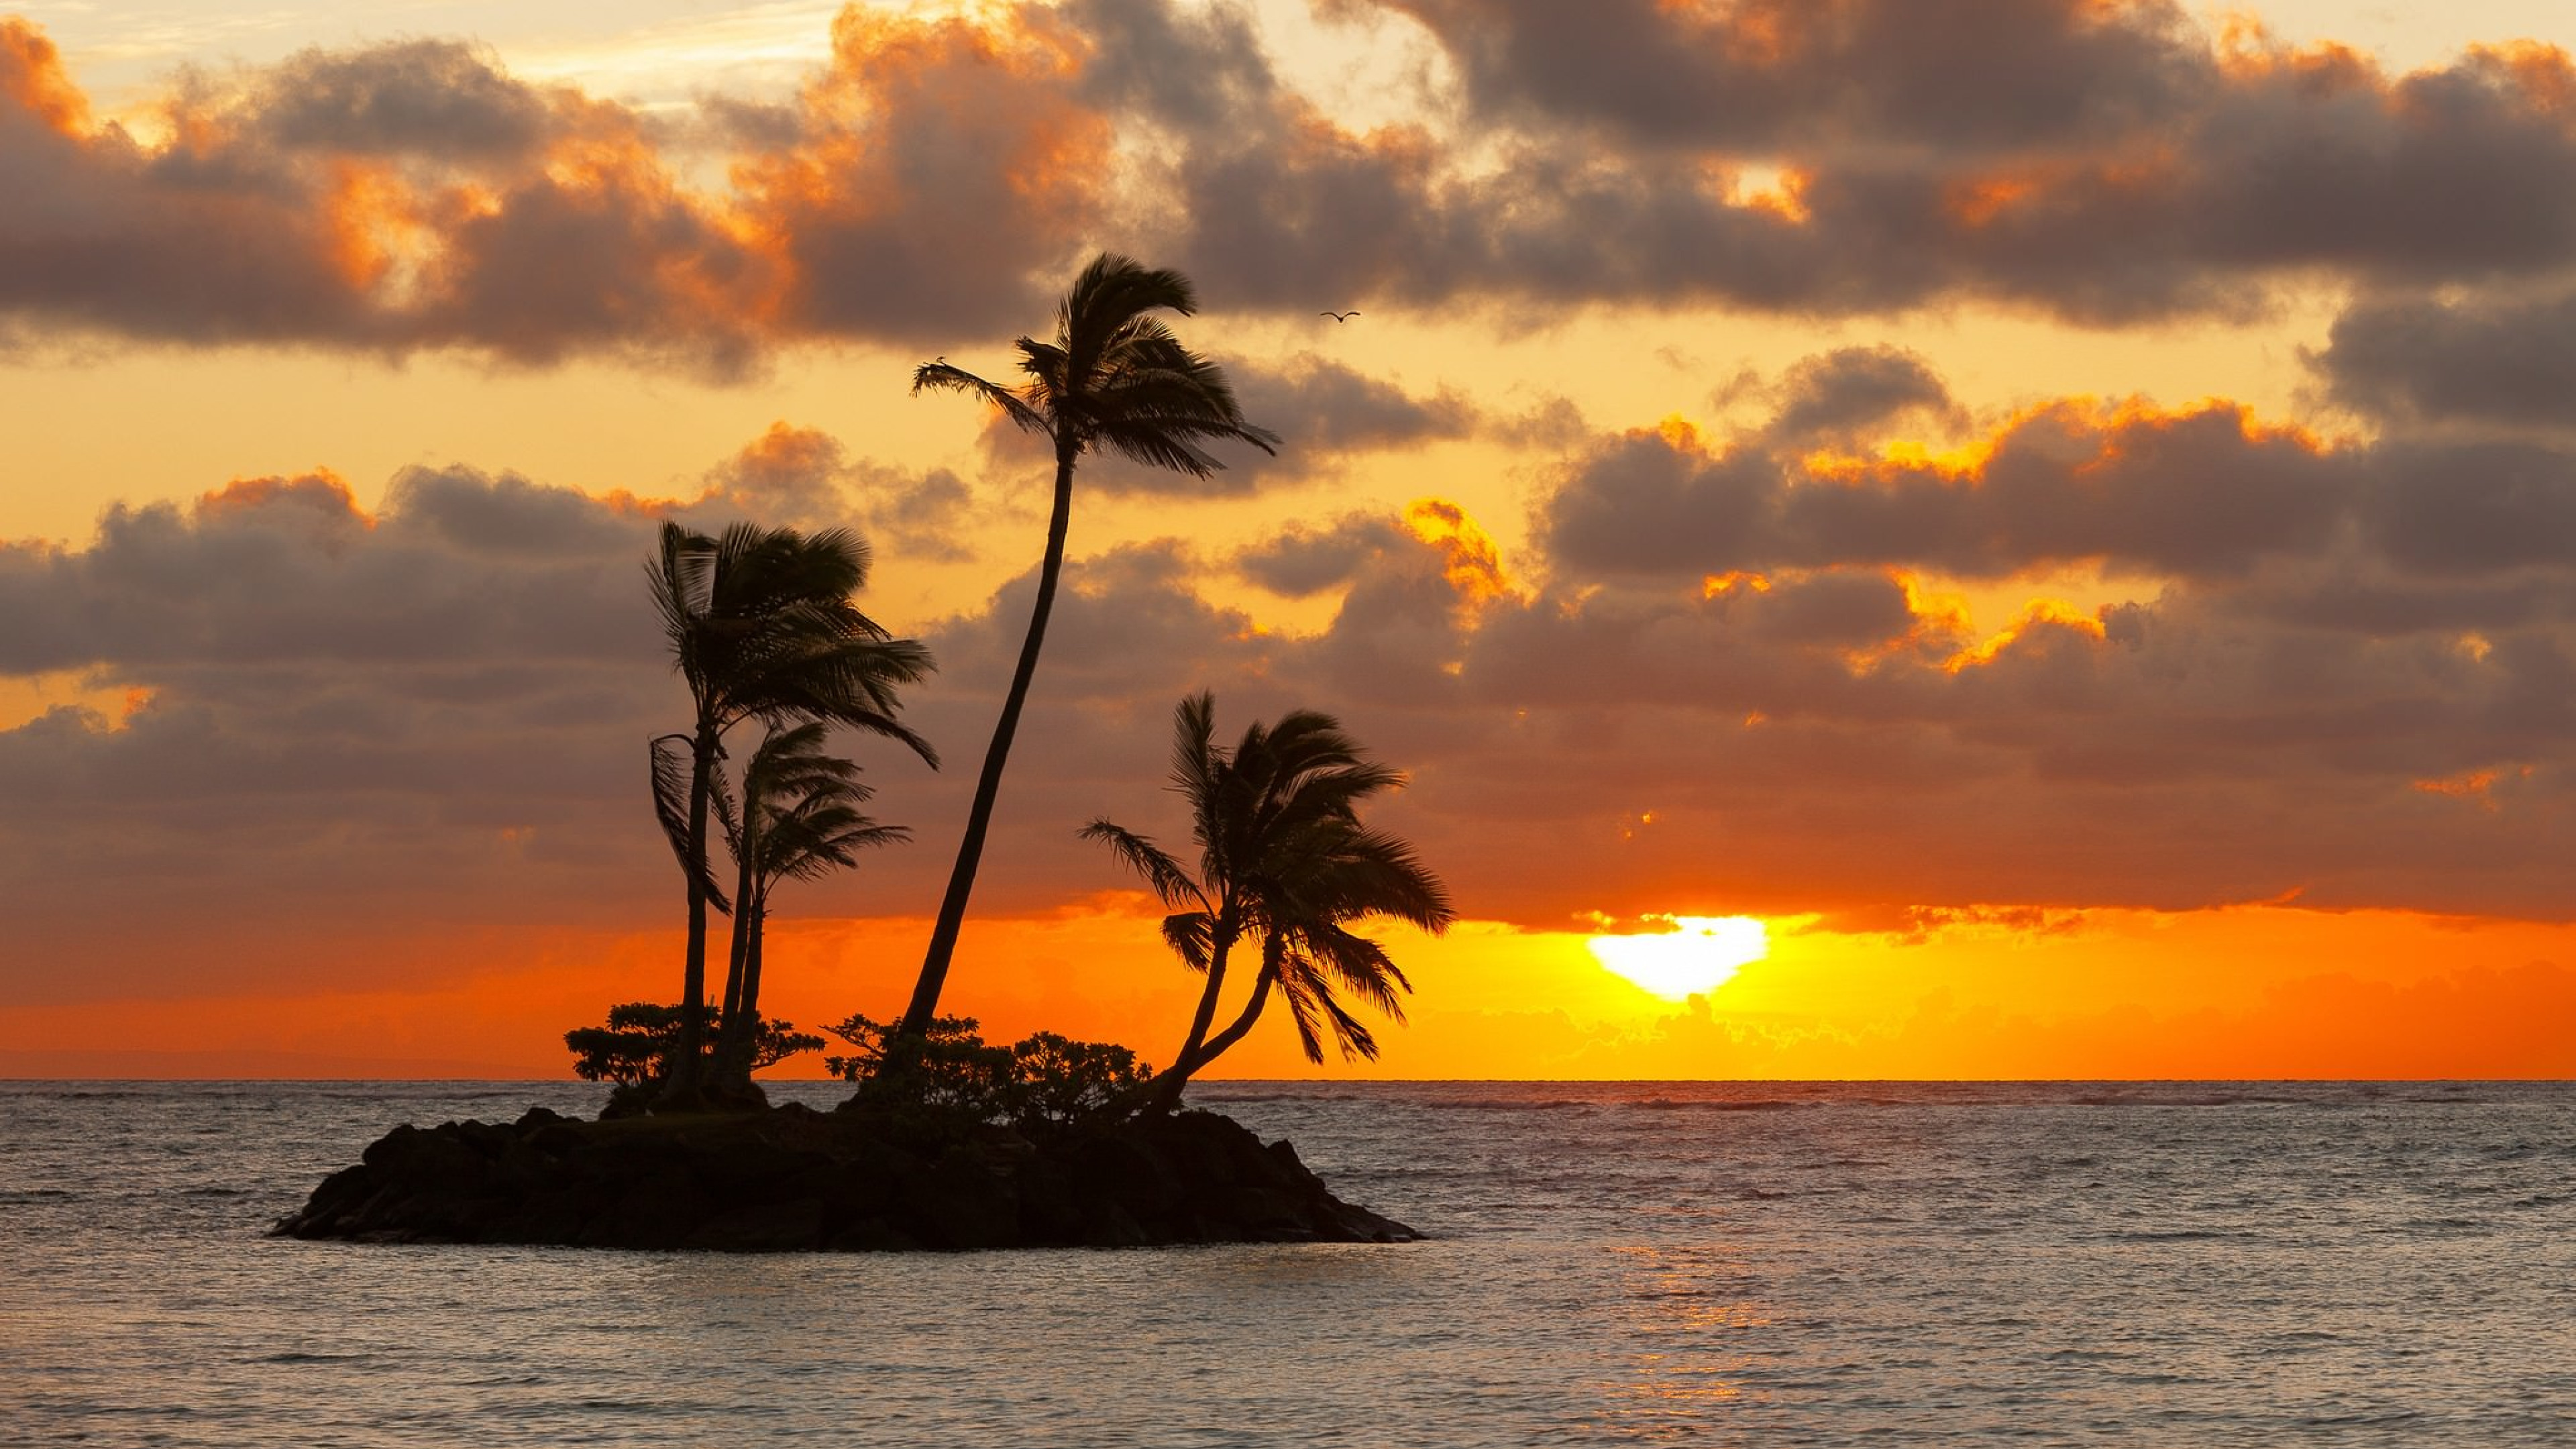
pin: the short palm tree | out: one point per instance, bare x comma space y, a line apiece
1282, 857
799, 818
760, 624
1114, 377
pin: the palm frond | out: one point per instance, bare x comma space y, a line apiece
1297, 988
671, 786
1192, 937
811, 845
1157, 448
1359, 964
729, 815
942, 377
1172, 884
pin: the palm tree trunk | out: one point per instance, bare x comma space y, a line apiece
1164, 1092
725, 1024
746, 1045
970, 850
1222, 944
681, 1092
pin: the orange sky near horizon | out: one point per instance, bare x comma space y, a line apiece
2074, 526
2251, 993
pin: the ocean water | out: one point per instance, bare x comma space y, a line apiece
1701, 1263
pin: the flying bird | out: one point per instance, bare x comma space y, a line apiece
1340, 316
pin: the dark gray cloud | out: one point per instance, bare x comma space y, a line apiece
805, 478
1301, 561
287, 572
2501, 360
1994, 77
440, 99
1193, 72
920, 517
2105, 164
384, 199
1814, 743
946, 176
1842, 394
1321, 406
935, 182
414, 196
440, 708
436, 712
1769, 750
2201, 493
2466, 510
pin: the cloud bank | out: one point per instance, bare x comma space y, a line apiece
2100, 164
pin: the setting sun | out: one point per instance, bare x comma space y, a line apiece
1698, 955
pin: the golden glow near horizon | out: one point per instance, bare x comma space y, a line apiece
1698, 955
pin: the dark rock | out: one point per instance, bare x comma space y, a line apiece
872, 1235
968, 1199
794, 1226
791, 1179
656, 1210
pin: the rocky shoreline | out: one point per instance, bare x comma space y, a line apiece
791, 1179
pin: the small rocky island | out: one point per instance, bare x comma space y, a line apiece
792, 1179
950, 1143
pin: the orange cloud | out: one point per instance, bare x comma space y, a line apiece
321, 491
2478, 786
2544, 73
2247, 51
32, 78
2037, 615
1473, 565
939, 161
1977, 202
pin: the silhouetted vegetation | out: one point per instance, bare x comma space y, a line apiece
634, 1049
1039, 1082
760, 624
1114, 377
1283, 859
798, 819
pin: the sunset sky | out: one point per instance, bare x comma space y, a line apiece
2035, 547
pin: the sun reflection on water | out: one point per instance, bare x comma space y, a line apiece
1693, 1335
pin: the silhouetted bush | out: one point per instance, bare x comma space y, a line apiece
635, 1046
952, 1073
1062, 1081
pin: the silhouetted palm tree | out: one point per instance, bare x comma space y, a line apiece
799, 818
1114, 377
1282, 857
760, 623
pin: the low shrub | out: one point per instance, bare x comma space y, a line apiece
635, 1046
1042, 1082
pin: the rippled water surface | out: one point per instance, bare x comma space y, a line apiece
1705, 1263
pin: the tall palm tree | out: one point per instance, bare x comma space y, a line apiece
760, 623
1114, 377
800, 818
1283, 857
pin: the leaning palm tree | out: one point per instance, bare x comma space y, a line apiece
760, 624
800, 818
1282, 857
1114, 377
